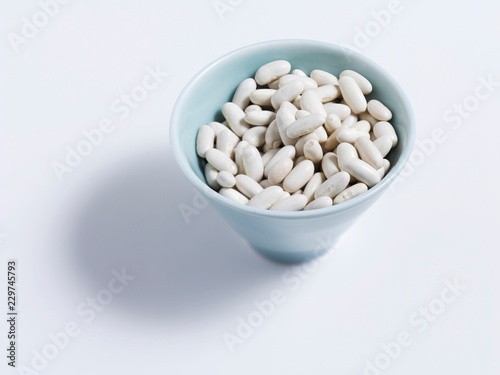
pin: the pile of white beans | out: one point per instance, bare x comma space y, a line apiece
294, 142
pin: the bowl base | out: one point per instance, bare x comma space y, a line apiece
284, 257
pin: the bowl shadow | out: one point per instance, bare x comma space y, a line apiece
183, 266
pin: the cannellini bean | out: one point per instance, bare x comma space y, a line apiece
287, 93
314, 183
235, 118
266, 198
352, 94
272, 71
333, 185
221, 161
259, 117
280, 170
361, 81
256, 136
252, 163
295, 202
385, 128
310, 102
299, 176
204, 140
262, 97
362, 171
305, 125
368, 152
226, 179
323, 78
234, 195
321, 202
247, 185
242, 95
211, 176
379, 111
350, 192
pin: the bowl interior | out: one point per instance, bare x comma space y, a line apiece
202, 99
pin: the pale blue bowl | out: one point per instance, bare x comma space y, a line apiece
289, 237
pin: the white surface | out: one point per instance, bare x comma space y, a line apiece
119, 208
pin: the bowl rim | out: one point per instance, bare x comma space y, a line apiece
372, 192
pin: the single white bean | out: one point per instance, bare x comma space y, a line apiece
329, 164
204, 140
272, 71
362, 171
333, 185
310, 101
369, 152
365, 85
226, 143
241, 96
321, 202
287, 93
247, 185
258, 118
367, 117
379, 110
327, 93
299, 176
221, 161
235, 118
295, 202
339, 109
351, 192
252, 163
280, 170
266, 198
323, 78
234, 195
313, 151
314, 183
384, 144
305, 125
299, 72
226, 179
352, 94
262, 97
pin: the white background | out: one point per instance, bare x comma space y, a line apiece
120, 207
